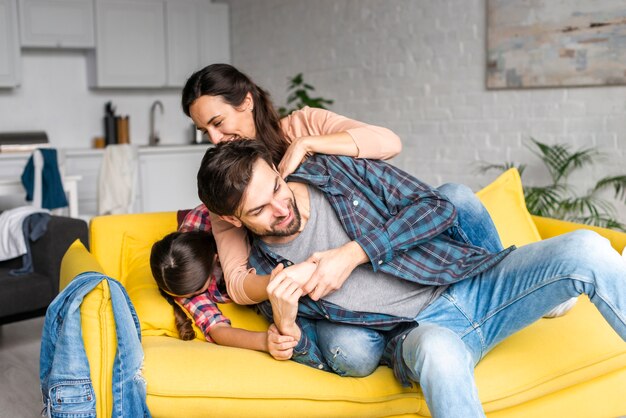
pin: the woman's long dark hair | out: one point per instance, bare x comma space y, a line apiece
181, 263
232, 85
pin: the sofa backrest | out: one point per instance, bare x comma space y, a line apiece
122, 245
108, 236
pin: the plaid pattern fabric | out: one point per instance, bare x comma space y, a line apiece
203, 307
407, 229
196, 220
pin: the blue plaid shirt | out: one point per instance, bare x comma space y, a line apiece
406, 228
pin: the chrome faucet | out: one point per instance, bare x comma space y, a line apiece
154, 134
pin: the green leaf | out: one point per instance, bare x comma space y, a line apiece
602, 221
544, 201
298, 96
484, 167
617, 183
559, 161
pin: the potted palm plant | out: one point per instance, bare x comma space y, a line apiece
558, 199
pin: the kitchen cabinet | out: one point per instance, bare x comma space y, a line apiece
10, 65
86, 164
130, 44
214, 34
167, 177
156, 43
182, 40
57, 23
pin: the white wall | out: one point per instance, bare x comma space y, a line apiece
418, 67
54, 97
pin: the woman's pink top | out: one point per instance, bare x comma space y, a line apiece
372, 142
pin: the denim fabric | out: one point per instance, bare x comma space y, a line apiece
356, 351
64, 369
474, 315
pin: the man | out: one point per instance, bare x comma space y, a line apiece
407, 263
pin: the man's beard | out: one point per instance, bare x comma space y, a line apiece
291, 229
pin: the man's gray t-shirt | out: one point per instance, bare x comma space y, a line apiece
364, 290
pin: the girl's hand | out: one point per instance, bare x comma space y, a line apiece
279, 346
284, 294
297, 152
299, 273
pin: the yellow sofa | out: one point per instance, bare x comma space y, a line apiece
573, 366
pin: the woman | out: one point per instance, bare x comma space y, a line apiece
225, 104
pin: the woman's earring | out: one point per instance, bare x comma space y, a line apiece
251, 109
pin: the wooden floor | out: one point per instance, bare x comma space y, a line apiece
19, 369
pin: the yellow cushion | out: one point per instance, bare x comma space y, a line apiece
106, 234
234, 382
504, 199
553, 355
543, 360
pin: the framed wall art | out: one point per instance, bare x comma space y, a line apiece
543, 43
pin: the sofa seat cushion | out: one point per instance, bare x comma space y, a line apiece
553, 355
24, 293
233, 382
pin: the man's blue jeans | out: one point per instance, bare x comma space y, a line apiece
356, 351
474, 315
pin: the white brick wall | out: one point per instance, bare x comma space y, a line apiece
418, 67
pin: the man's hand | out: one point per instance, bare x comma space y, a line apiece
279, 346
284, 293
300, 273
333, 268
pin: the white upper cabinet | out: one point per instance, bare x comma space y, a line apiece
10, 68
130, 44
57, 23
156, 43
182, 41
214, 34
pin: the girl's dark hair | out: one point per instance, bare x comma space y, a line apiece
232, 85
181, 263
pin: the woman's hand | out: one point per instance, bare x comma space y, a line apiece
297, 152
333, 268
280, 346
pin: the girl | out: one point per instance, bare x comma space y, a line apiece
184, 266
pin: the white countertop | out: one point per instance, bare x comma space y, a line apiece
142, 150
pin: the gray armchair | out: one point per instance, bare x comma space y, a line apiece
27, 296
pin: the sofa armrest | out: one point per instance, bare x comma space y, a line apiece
549, 227
48, 250
97, 323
